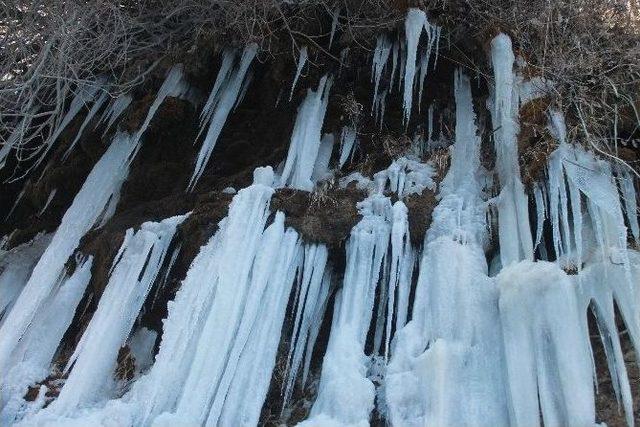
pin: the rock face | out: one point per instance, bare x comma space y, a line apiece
257, 134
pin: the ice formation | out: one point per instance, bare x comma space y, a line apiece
133, 273
347, 144
345, 394
223, 96
15, 267
88, 208
513, 213
302, 60
306, 138
416, 328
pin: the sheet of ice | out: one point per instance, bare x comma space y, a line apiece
16, 266
514, 233
221, 100
102, 184
347, 144
545, 348
306, 138
302, 60
577, 176
132, 275
345, 394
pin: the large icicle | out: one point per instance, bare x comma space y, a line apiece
306, 138
546, 353
221, 100
514, 233
413, 25
346, 395
133, 273
101, 186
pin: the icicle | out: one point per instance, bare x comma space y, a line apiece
345, 394
95, 356
401, 255
540, 212
221, 100
115, 110
347, 144
430, 126
625, 179
92, 112
380, 58
395, 52
334, 25
413, 25
101, 185
250, 385
309, 300
516, 242
85, 95
48, 201
302, 60
306, 138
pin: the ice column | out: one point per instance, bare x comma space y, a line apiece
514, 233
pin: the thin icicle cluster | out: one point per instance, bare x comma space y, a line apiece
306, 139
228, 89
404, 54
